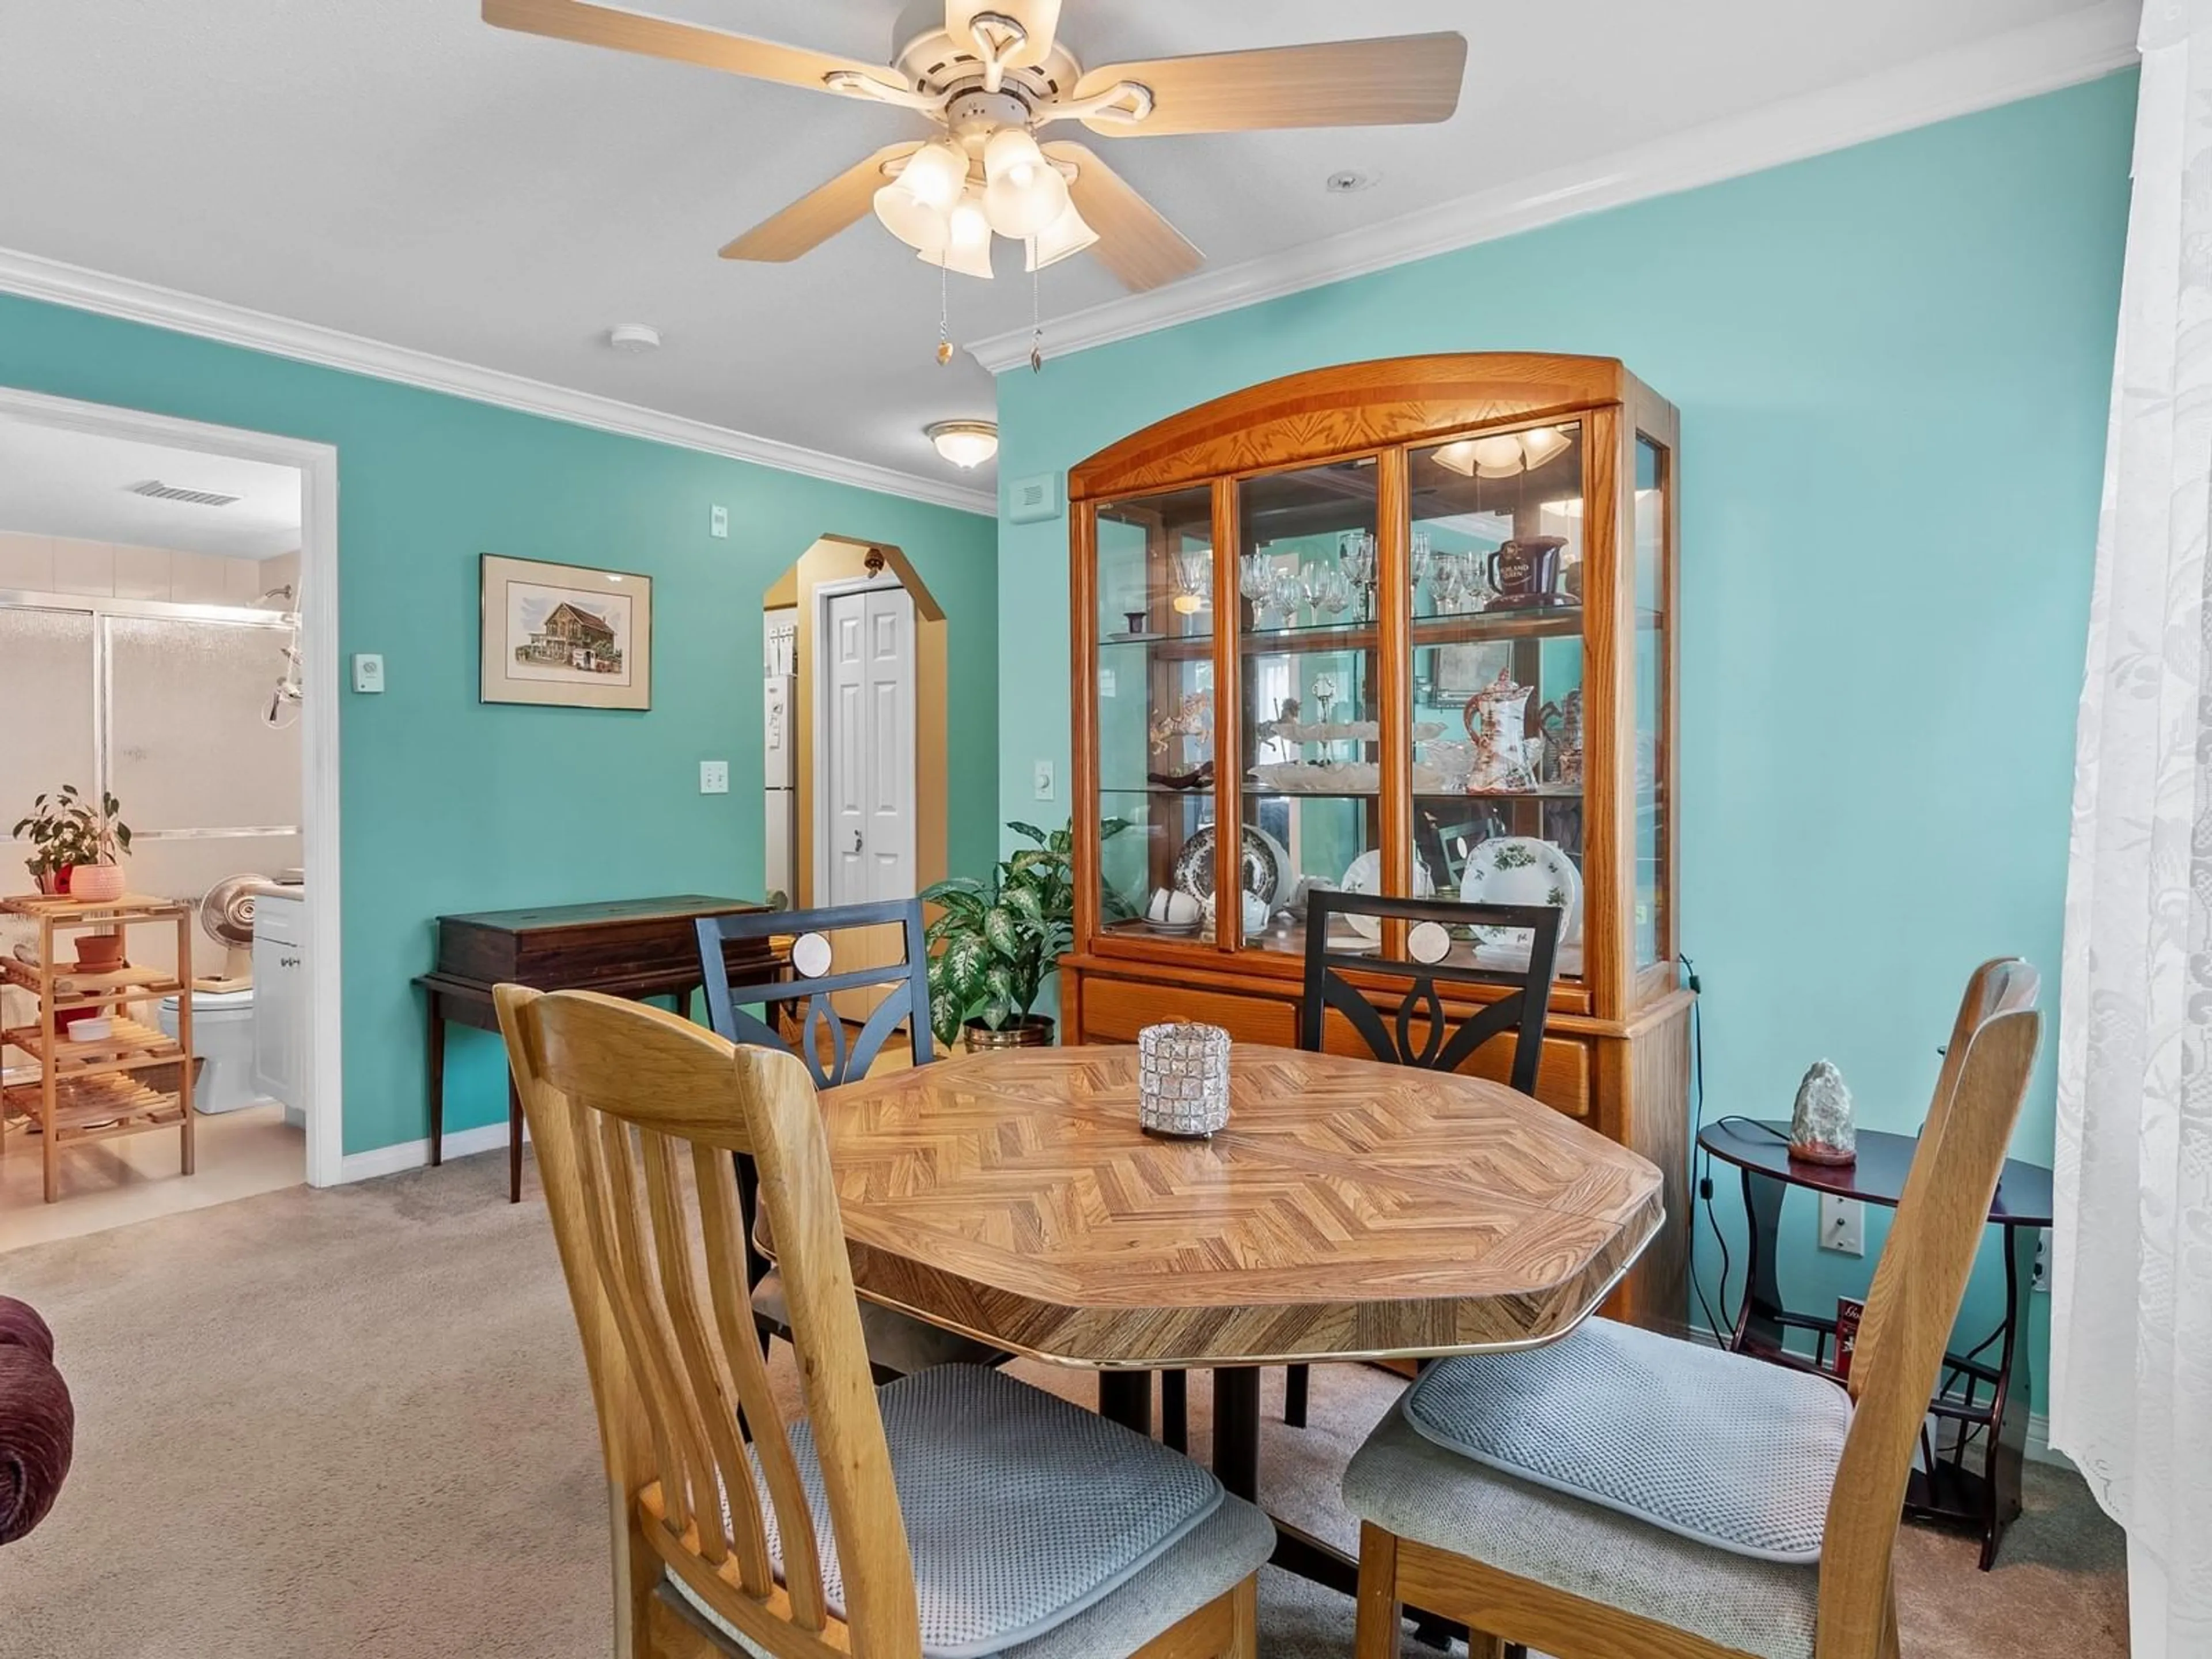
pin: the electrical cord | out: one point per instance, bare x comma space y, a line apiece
1701, 1161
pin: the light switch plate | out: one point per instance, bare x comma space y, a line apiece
367, 672
718, 522
1842, 1225
1043, 780
714, 777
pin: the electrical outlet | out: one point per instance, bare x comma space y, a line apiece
1042, 779
1842, 1225
2041, 1280
1106, 682
714, 777
718, 522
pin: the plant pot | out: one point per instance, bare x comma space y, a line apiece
99, 953
54, 882
100, 882
1029, 1031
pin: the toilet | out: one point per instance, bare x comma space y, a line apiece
223, 1036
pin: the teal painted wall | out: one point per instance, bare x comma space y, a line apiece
450, 806
1893, 364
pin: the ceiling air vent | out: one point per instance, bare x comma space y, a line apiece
154, 489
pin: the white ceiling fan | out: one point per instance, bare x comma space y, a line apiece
987, 76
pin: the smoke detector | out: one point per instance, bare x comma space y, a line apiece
633, 339
1349, 182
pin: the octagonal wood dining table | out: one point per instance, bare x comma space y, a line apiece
1351, 1209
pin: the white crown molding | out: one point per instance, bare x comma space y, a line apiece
2060, 51
37, 278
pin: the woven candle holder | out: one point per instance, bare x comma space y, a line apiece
1183, 1079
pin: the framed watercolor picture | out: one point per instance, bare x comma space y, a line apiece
565, 634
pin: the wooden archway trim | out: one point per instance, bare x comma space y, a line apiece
1344, 409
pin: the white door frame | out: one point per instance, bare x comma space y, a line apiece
819, 693
318, 466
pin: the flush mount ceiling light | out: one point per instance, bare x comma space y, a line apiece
1505, 455
990, 74
964, 443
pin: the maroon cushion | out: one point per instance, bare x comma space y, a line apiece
38, 1424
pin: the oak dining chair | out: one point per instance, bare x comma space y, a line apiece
1416, 1033
1622, 1492
832, 1053
955, 1513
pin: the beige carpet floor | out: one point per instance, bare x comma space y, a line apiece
355, 1423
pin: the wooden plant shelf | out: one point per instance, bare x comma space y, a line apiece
136, 1078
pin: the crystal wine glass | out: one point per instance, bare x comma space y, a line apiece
1355, 554
1255, 581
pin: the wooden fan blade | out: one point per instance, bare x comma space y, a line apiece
1403, 80
1142, 249
681, 43
813, 219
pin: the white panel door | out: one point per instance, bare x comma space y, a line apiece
868, 792
844, 794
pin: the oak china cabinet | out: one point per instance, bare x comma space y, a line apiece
1411, 626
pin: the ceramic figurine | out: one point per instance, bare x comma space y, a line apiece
1820, 1127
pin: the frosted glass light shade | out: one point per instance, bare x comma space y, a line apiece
964, 443
922, 228
936, 173
1025, 192
1069, 234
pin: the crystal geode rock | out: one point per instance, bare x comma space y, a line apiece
1820, 1127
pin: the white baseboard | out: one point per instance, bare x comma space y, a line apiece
414, 1154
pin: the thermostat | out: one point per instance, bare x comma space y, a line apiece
368, 672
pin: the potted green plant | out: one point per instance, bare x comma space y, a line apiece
996, 941
78, 848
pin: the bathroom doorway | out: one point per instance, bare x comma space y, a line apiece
167, 601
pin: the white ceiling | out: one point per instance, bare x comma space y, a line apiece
402, 172
54, 481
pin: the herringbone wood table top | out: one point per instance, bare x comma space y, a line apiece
1350, 1209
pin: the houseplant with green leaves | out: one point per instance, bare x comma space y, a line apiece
996, 941
68, 831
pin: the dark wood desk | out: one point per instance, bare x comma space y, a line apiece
626, 948
1946, 1490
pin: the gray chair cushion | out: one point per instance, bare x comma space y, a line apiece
1024, 1511
1718, 1448
1223, 1550
897, 1341
1414, 1488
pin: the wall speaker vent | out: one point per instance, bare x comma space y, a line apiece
1033, 499
154, 489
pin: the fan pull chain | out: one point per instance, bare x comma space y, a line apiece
1036, 320
944, 313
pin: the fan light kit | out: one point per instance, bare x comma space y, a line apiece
964, 443
987, 78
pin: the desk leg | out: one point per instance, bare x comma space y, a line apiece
514, 1141
1125, 1397
1758, 1325
436, 1043
2001, 1470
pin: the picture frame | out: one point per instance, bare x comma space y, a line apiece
563, 635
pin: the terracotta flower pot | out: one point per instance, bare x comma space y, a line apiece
97, 953
1029, 1031
100, 883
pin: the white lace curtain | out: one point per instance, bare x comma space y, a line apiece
2131, 1308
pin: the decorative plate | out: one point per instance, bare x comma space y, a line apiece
1523, 870
1260, 875
1366, 876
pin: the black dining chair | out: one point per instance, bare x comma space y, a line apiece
832, 1053
1416, 1032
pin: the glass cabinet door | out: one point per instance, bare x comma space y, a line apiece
1496, 558
1156, 715
1651, 928
1309, 573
